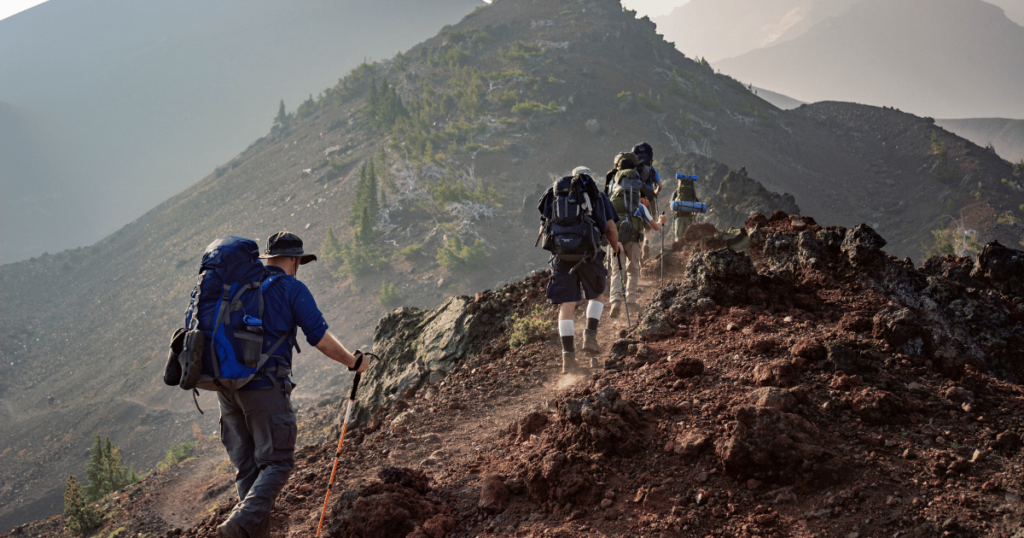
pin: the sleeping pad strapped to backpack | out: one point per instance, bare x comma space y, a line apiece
224, 321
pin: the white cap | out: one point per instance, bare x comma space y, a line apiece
580, 170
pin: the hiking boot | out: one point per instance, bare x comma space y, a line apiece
263, 531
616, 309
172, 372
569, 365
191, 359
590, 344
230, 529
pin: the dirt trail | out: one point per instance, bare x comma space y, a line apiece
191, 490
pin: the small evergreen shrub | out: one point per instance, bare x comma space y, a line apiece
457, 256
177, 453
532, 327
79, 515
649, 103
389, 294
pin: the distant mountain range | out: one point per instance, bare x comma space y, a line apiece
939, 58
1005, 136
129, 102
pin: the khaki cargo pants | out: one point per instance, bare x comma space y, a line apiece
258, 430
631, 254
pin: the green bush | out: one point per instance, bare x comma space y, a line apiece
411, 251
79, 515
388, 294
526, 108
532, 327
457, 256
520, 52
177, 453
650, 104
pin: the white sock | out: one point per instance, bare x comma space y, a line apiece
566, 328
594, 309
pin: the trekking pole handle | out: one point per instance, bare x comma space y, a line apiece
355, 386
360, 357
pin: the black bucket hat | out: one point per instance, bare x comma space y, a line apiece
286, 244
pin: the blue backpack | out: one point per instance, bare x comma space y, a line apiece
224, 320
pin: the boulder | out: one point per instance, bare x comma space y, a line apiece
775, 398
863, 246
1002, 268
809, 348
874, 406
777, 373
687, 368
691, 443
493, 494
901, 329
769, 445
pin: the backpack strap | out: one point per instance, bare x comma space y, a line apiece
222, 312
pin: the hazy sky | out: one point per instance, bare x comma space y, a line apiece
651, 8
10, 7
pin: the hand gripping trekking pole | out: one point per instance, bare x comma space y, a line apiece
622, 280
341, 441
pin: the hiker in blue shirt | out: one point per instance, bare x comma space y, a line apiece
258, 425
570, 273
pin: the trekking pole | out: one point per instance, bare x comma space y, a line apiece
341, 441
663, 253
622, 280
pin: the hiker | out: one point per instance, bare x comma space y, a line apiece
685, 192
649, 174
258, 424
627, 192
574, 217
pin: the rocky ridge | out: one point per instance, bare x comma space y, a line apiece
815, 385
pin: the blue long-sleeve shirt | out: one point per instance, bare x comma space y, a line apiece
288, 305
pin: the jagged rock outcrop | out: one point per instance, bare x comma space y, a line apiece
418, 347
942, 313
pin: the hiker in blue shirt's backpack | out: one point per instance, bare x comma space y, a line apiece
258, 425
575, 215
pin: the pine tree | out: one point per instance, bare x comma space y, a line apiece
94, 471
80, 517
105, 470
366, 235
331, 248
282, 115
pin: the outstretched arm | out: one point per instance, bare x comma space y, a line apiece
330, 346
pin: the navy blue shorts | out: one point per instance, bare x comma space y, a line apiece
564, 287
